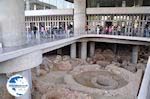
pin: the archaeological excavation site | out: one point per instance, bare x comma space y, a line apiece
107, 74
74, 49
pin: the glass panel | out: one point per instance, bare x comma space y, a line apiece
48, 4
110, 3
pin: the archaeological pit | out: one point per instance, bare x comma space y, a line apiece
105, 75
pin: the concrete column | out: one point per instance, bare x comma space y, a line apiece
124, 3
135, 50
59, 51
84, 50
92, 49
27, 5
79, 16
12, 22
27, 75
115, 48
34, 7
73, 50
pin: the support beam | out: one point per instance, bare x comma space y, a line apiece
27, 75
92, 48
135, 50
84, 50
79, 16
73, 52
12, 19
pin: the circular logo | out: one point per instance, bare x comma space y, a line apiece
17, 85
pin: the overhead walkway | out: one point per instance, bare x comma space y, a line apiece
47, 45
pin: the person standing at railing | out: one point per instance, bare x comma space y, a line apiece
42, 31
34, 31
119, 30
97, 29
146, 31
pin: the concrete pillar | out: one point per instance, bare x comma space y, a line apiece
79, 16
135, 50
115, 48
84, 50
92, 48
27, 5
34, 7
12, 22
59, 51
73, 50
124, 3
27, 75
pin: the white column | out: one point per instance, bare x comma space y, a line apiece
135, 50
73, 50
27, 5
92, 48
34, 7
12, 22
27, 75
79, 16
84, 50
124, 3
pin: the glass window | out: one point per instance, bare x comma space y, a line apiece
48, 4
146, 3
110, 3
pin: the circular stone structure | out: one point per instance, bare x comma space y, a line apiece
100, 79
111, 81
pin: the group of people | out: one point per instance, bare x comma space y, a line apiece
53, 32
120, 30
115, 30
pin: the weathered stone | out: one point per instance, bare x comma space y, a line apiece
58, 59
66, 58
131, 68
64, 66
42, 72
4, 93
98, 51
103, 63
141, 66
62, 93
40, 86
98, 57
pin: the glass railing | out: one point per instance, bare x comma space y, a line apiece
50, 34
125, 25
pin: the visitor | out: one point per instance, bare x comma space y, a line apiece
35, 31
42, 31
146, 30
119, 30
97, 29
